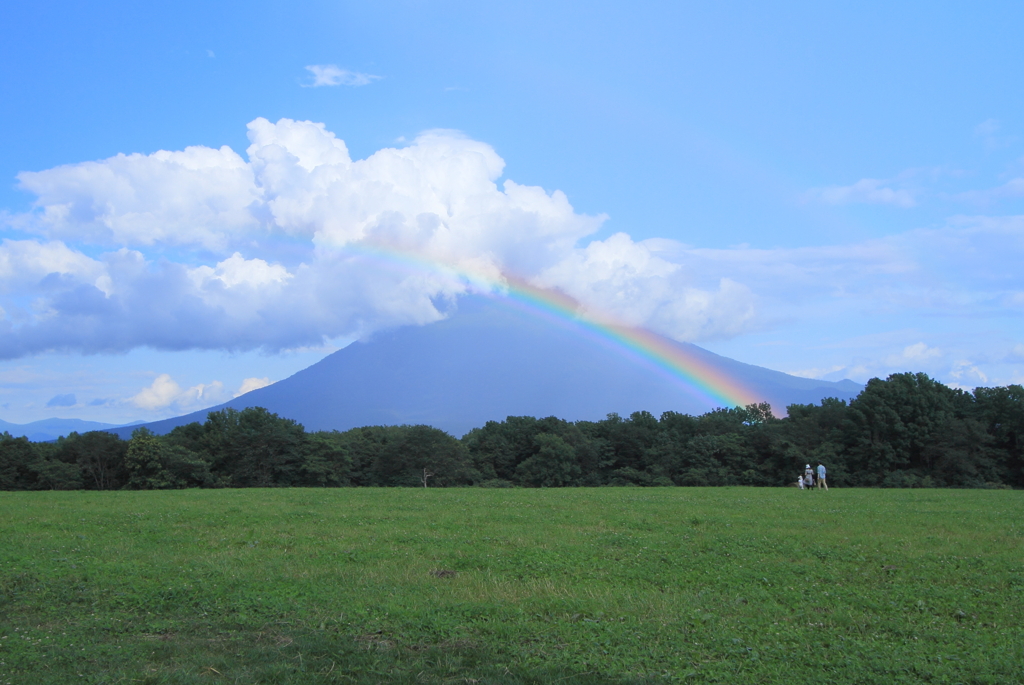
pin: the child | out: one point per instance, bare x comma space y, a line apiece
800, 482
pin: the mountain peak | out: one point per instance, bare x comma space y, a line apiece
491, 359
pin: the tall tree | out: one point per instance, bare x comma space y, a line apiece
100, 457
155, 464
417, 448
17, 457
1001, 411
892, 427
254, 447
554, 464
326, 460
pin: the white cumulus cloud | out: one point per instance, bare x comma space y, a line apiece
28, 264
164, 392
250, 384
198, 196
624, 281
917, 352
303, 242
161, 393
236, 270
296, 243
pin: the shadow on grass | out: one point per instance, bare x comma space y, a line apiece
295, 658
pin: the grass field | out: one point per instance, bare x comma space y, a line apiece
512, 586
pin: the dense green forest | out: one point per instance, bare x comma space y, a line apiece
906, 431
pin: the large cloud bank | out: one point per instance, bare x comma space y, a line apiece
297, 243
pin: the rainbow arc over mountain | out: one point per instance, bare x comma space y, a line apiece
687, 369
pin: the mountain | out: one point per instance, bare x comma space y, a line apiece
51, 429
488, 361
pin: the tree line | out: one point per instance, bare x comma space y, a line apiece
905, 431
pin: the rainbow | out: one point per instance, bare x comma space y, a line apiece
686, 369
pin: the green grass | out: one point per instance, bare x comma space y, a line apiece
512, 586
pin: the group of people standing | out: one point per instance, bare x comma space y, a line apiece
807, 480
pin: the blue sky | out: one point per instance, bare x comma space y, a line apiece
834, 190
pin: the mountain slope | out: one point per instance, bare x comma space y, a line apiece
489, 361
51, 429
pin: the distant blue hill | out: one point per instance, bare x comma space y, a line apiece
51, 429
489, 361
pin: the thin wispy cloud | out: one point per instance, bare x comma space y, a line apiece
965, 371
990, 132
987, 128
333, 75
1016, 354
865, 191
67, 400
906, 189
1011, 189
